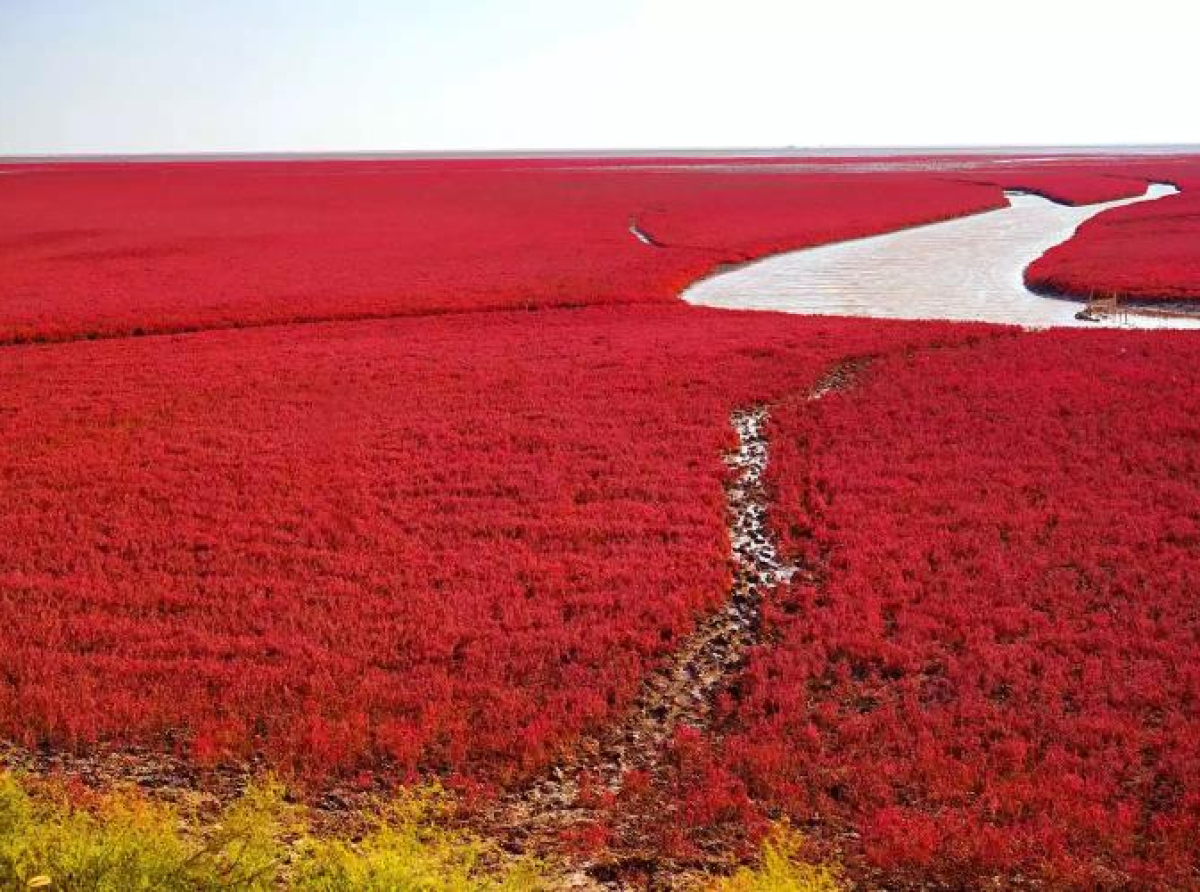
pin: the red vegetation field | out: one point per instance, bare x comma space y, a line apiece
1147, 251
455, 541
997, 671
448, 543
103, 250
111, 249
1073, 185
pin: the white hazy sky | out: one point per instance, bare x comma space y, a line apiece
314, 75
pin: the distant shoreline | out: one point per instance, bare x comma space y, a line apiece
510, 154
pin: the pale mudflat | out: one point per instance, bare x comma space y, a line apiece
970, 269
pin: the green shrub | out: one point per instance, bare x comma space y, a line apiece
122, 842
125, 844
409, 848
782, 869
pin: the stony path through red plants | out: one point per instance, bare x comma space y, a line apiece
577, 792
680, 694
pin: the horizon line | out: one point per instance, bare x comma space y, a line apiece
643, 152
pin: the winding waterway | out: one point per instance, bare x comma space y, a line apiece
967, 269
